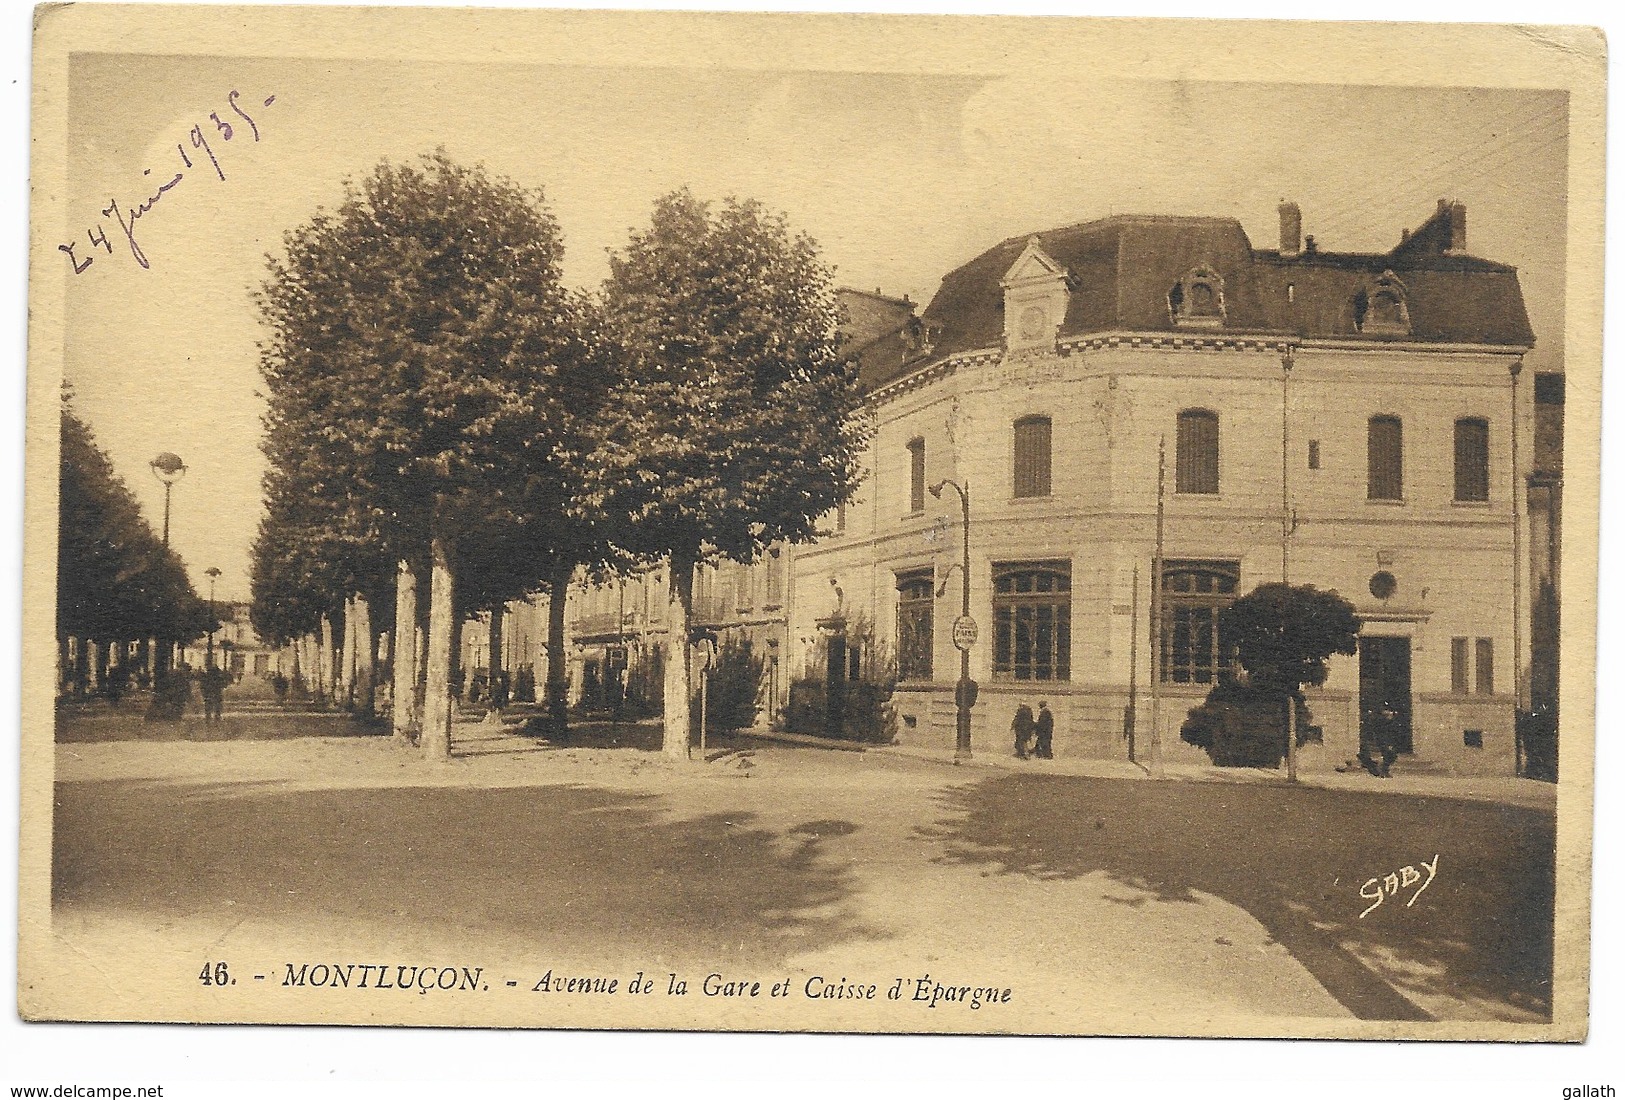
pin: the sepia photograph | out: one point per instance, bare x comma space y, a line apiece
811, 523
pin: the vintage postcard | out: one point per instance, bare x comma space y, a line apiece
811, 523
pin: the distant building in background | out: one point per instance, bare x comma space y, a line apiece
237, 649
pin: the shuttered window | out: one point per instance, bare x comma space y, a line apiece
916, 475
1032, 449
1472, 459
1385, 459
1486, 666
1197, 452
1458, 665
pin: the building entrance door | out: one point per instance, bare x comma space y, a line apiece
1385, 692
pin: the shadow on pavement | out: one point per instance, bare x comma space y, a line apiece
591, 872
1296, 860
596, 734
270, 725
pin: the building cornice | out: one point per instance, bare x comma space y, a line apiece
1273, 343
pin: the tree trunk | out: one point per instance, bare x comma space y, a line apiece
679, 605
459, 676
437, 705
81, 666
99, 665
558, 681
495, 684
324, 658
366, 650
348, 658
312, 665
404, 651
163, 659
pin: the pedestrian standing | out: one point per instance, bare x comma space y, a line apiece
1044, 732
1022, 728
213, 688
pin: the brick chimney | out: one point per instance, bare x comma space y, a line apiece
1458, 227
1291, 228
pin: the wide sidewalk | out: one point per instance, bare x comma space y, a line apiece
1509, 790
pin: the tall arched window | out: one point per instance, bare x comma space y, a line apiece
1472, 459
914, 636
1196, 465
1032, 454
1385, 459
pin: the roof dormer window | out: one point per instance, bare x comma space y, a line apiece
1380, 308
1036, 297
1197, 300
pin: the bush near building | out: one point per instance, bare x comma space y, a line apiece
735, 684
1241, 726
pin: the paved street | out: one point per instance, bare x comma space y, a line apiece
1129, 904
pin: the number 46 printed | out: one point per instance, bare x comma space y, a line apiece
215, 974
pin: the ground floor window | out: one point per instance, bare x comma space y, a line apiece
1032, 620
914, 611
1193, 594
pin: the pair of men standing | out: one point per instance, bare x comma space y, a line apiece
1034, 736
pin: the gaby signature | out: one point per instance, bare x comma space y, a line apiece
1379, 889
127, 214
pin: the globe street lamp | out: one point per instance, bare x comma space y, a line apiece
964, 634
167, 468
212, 573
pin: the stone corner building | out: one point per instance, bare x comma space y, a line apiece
1353, 421
1359, 422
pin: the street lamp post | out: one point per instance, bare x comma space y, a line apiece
212, 573
964, 628
168, 469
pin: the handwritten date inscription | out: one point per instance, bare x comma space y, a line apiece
128, 214
1379, 889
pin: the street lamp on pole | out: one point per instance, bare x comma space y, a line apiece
167, 468
212, 573
964, 634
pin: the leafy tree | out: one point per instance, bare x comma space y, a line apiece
314, 549
738, 423
116, 580
1284, 634
422, 346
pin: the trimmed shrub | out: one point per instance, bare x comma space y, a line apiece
1243, 726
736, 683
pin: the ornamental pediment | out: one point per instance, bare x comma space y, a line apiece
1036, 299
1033, 265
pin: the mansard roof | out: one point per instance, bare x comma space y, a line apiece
1120, 270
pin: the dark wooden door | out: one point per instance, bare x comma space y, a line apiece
1385, 691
